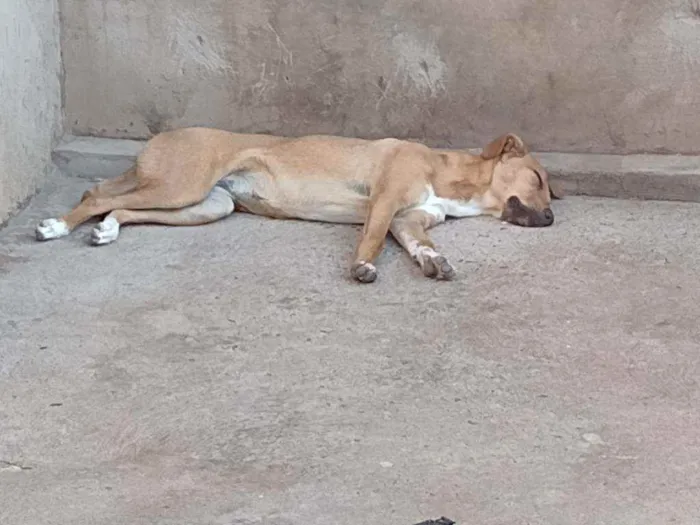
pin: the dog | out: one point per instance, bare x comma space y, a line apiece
193, 176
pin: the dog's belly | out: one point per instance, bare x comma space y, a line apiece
306, 199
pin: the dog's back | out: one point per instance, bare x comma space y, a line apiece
194, 157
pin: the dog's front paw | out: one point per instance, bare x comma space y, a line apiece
51, 229
436, 266
364, 272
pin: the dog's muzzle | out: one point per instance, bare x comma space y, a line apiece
516, 212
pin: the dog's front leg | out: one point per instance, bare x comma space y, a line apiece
374, 234
410, 230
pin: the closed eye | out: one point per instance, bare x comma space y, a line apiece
539, 178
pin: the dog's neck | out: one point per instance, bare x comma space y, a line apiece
462, 175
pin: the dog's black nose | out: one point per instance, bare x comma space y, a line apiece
547, 217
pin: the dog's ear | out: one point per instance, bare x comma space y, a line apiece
508, 143
555, 190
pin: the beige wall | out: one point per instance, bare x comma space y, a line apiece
30, 97
597, 76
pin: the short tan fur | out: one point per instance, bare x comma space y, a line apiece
194, 176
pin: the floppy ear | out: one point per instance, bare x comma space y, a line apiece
555, 190
508, 143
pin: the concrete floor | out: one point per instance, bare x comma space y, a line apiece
232, 374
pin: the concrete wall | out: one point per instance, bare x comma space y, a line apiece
599, 76
30, 97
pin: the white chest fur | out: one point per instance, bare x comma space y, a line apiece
441, 208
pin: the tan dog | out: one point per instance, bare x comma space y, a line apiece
194, 176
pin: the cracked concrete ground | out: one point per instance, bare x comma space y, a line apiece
232, 374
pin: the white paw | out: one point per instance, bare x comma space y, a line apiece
105, 232
51, 229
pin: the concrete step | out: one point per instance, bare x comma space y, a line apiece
91, 157
647, 177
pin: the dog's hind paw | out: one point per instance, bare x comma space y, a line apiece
364, 272
51, 229
105, 232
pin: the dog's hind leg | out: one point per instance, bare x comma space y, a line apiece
159, 196
156, 195
217, 205
124, 183
55, 228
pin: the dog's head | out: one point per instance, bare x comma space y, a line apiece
520, 189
